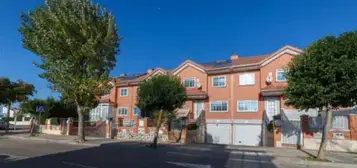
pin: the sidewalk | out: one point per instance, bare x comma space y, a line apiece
90, 141
288, 155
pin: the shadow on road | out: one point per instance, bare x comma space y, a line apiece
137, 155
14, 132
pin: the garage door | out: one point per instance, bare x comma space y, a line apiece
247, 134
218, 133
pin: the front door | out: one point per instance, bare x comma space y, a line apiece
197, 108
271, 106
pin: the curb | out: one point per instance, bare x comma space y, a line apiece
325, 164
159, 143
51, 140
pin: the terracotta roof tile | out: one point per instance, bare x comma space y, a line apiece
195, 91
240, 61
250, 59
274, 87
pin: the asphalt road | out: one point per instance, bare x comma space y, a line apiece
24, 154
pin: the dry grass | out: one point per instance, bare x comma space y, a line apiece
313, 158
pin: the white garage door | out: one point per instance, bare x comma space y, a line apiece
247, 134
218, 133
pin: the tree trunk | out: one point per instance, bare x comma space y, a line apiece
158, 125
32, 129
8, 118
81, 135
324, 138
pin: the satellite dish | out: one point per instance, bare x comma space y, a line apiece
269, 78
199, 85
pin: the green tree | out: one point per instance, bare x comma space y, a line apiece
77, 42
12, 92
29, 106
324, 77
159, 96
4, 87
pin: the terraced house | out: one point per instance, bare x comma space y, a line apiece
237, 97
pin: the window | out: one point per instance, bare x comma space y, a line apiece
340, 122
189, 82
122, 111
137, 111
128, 123
219, 81
247, 106
280, 75
124, 92
219, 106
101, 112
247, 79
340, 136
315, 123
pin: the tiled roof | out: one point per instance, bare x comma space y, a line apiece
130, 77
240, 61
208, 65
275, 87
195, 91
250, 60
215, 65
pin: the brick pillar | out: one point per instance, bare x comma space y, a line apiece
107, 129
304, 123
69, 126
276, 136
304, 119
353, 126
142, 126
183, 135
47, 123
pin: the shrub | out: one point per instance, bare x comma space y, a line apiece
192, 126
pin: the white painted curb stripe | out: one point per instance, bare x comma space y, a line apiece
78, 165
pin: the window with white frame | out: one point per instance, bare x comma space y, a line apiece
247, 79
124, 92
189, 82
219, 81
101, 112
280, 75
219, 106
122, 111
340, 122
247, 105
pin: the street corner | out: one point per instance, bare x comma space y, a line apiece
4, 158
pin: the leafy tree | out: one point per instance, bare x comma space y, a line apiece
63, 109
12, 92
159, 96
77, 42
53, 108
4, 87
324, 76
29, 106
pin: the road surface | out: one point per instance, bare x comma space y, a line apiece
25, 154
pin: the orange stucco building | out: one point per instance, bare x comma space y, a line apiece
233, 101
232, 94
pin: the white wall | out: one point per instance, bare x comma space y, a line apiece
332, 145
4, 112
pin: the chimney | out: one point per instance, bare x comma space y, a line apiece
234, 57
149, 71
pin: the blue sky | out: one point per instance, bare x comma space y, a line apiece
163, 33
